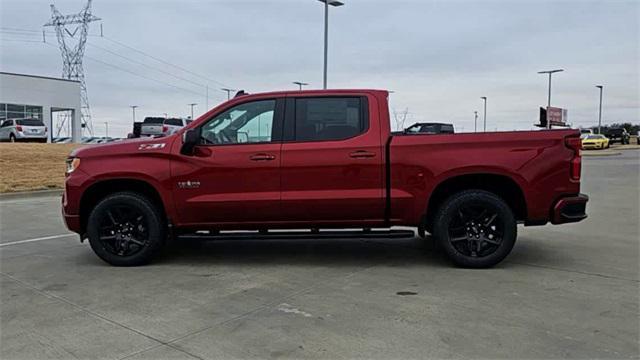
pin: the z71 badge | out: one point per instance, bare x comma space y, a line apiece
151, 146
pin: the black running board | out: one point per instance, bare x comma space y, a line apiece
328, 234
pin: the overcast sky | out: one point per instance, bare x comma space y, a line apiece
439, 57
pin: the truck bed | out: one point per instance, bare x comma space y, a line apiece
536, 160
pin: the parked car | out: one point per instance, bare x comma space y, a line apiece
430, 128
62, 140
23, 130
618, 134
315, 160
152, 126
597, 141
585, 132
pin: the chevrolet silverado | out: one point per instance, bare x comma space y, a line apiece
320, 159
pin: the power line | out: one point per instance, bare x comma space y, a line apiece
164, 62
34, 32
146, 65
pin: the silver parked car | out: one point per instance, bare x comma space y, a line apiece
23, 130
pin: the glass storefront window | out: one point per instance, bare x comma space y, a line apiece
34, 112
16, 111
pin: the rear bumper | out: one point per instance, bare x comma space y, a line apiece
570, 209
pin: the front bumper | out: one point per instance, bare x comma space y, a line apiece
570, 209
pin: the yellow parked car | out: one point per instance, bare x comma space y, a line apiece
595, 142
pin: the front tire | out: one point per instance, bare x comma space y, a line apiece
476, 229
126, 229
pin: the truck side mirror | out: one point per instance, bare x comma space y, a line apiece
190, 139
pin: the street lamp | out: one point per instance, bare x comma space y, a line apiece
600, 110
106, 125
475, 121
549, 97
192, 105
300, 84
166, 115
133, 107
484, 98
335, 3
229, 91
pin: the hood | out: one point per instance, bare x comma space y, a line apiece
126, 146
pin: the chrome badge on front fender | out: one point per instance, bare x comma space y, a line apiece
188, 184
151, 146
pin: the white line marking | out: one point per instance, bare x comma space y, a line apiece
36, 239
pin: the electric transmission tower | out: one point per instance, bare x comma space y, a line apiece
72, 52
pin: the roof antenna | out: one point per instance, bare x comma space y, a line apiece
241, 93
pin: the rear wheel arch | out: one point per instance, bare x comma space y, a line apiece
98, 191
501, 185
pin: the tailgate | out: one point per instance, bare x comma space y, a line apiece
151, 129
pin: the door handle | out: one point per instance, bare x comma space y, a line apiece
362, 154
262, 157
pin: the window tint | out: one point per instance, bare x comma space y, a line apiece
246, 123
175, 122
328, 118
29, 122
154, 120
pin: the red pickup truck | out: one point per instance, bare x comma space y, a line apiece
320, 160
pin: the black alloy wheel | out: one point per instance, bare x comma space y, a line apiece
476, 228
126, 229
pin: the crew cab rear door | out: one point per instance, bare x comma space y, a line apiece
332, 160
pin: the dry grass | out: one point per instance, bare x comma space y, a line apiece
27, 167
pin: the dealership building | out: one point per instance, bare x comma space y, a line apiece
30, 96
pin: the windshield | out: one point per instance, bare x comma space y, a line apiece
29, 122
595, 137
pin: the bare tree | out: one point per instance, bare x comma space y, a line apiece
399, 118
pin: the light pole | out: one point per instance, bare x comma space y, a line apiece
133, 108
335, 3
166, 115
475, 121
228, 92
550, 72
484, 98
106, 125
600, 110
300, 84
192, 105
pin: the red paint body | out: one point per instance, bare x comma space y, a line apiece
322, 183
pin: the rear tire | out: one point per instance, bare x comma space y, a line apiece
126, 229
476, 229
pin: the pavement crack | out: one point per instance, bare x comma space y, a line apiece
573, 271
270, 304
92, 313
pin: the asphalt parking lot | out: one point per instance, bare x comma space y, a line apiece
569, 291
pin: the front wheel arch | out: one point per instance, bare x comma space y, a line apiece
101, 189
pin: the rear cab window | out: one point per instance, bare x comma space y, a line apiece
174, 122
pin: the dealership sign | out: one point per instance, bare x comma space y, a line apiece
556, 116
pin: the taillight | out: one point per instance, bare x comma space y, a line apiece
574, 143
45, 129
19, 128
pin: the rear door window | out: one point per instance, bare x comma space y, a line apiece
174, 122
329, 118
30, 122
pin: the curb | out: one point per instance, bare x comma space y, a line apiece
601, 154
30, 194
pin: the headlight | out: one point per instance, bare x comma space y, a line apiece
72, 164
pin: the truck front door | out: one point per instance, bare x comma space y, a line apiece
233, 177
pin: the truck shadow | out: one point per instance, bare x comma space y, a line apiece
334, 252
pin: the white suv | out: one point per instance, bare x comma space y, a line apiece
23, 130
